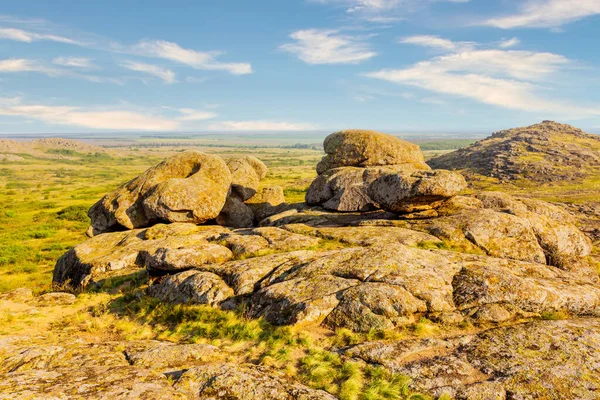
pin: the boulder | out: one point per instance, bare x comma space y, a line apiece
421, 190
192, 287
375, 306
188, 187
120, 251
347, 188
163, 260
359, 148
57, 299
266, 202
235, 214
251, 242
246, 173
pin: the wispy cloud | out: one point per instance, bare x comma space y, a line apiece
260, 125
23, 65
192, 58
74, 62
382, 11
21, 35
504, 78
87, 118
437, 42
508, 43
547, 14
12, 65
165, 74
323, 46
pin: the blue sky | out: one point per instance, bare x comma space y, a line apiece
296, 65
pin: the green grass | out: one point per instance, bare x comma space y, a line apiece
304, 356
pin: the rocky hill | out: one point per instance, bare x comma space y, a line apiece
545, 152
382, 243
46, 148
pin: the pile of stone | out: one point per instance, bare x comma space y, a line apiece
190, 187
366, 170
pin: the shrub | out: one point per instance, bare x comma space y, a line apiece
74, 213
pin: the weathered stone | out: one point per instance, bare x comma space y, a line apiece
168, 355
348, 188
188, 187
281, 239
266, 202
497, 234
302, 300
244, 244
77, 370
319, 217
57, 299
458, 204
540, 359
356, 148
418, 191
120, 251
168, 259
244, 275
246, 173
242, 382
564, 245
164, 231
192, 287
374, 306
366, 235
493, 313
236, 214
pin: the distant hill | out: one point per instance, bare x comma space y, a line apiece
544, 153
48, 147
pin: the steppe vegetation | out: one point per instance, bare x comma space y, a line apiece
43, 213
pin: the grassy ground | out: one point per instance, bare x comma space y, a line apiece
43, 202
43, 212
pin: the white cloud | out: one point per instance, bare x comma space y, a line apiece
508, 43
382, 11
28, 37
21, 65
87, 118
74, 62
260, 125
189, 114
511, 63
192, 58
501, 78
166, 75
437, 42
547, 14
320, 46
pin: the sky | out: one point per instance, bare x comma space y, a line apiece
280, 66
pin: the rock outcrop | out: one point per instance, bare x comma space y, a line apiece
365, 170
545, 152
407, 248
541, 359
189, 187
357, 148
